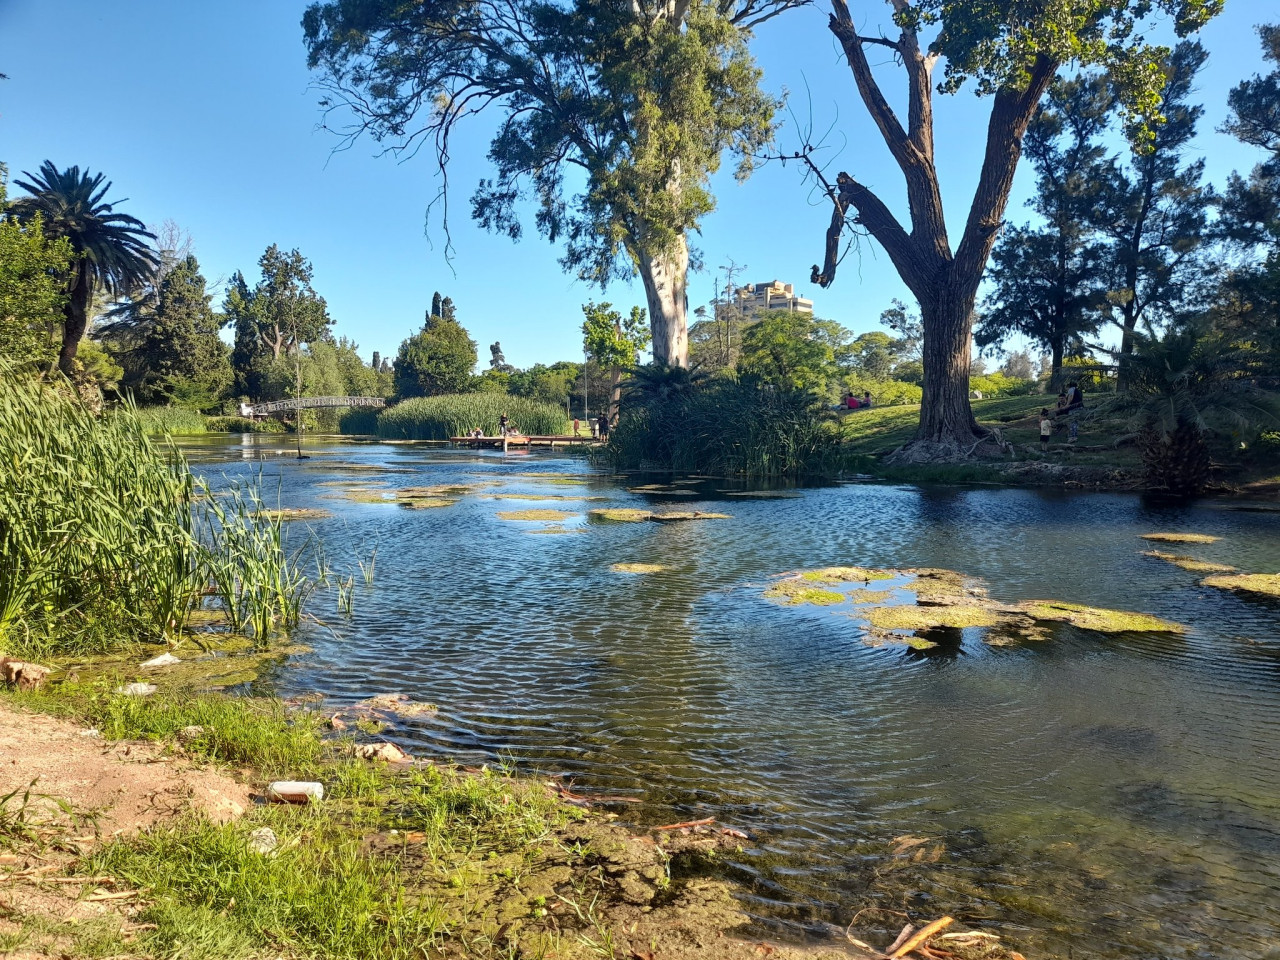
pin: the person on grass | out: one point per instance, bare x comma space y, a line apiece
1046, 430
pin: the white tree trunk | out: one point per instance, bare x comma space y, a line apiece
665, 276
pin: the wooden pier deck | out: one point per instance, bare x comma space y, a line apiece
520, 440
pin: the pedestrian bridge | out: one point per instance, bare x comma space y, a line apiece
313, 403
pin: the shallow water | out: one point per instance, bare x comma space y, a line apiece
1083, 795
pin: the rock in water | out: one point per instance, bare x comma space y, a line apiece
295, 791
164, 660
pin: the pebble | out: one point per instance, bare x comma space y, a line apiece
193, 732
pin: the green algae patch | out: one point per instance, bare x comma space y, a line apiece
544, 515
556, 530
883, 638
1263, 584
762, 494
1189, 563
620, 515
870, 596
674, 516
362, 495
833, 575
295, 513
1097, 619
955, 617
541, 496
637, 568
1180, 537
795, 593
425, 503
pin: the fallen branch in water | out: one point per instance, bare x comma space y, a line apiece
687, 823
919, 938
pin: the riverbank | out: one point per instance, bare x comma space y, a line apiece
136, 827
1102, 457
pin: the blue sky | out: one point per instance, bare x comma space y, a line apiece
203, 113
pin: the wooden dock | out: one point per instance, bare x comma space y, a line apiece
520, 440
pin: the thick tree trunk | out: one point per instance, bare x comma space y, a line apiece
615, 392
1058, 347
76, 318
665, 275
946, 419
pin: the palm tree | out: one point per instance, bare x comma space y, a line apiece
112, 252
1190, 384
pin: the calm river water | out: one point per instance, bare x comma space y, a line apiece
1083, 795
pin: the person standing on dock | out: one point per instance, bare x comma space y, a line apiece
604, 427
577, 427
502, 425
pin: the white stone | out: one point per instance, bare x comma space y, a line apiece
137, 689
263, 840
164, 660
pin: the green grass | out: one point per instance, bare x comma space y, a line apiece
244, 425
176, 421
453, 415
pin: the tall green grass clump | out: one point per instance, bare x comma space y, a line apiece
726, 428
358, 420
453, 415
243, 425
106, 539
176, 421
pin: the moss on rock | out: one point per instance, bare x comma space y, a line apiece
1189, 563
846, 575
794, 593
915, 617
1263, 584
554, 515
1098, 619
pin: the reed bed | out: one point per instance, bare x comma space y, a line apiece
176, 421
106, 538
453, 415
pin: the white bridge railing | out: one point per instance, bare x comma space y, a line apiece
312, 403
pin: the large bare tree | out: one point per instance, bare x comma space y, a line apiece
1011, 49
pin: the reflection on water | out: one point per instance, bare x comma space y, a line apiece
1112, 796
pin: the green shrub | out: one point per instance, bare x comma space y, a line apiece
885, 393
726, 428
453, 415
243, 425
177, 421
998, 385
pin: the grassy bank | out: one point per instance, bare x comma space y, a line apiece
453, 415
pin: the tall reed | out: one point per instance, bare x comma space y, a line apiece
177, 421
106, 538
454, 415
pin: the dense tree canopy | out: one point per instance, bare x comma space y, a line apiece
32, 292
1012, 51
182, 356
439, 358
634, 101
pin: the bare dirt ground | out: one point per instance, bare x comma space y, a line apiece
84, 791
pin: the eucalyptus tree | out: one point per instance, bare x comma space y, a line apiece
111, 251
1011, 50
613, 116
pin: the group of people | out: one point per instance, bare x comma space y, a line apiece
1070, 401
599, 427
851, 401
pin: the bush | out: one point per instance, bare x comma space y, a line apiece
726, 428
998, 385
885, 393
453, 415
176, 421
243, 425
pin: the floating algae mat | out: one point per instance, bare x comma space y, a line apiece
631, 515
535, 515
917, 606
637, 568
1189, 563
295, 513
540, 496
1263, 584
1180, 537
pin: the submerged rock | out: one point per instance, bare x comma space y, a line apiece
637, 568
1189, 563
1180, 537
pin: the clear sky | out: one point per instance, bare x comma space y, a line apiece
203, 113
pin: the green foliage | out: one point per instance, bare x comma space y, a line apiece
111, 250
436, 360
176, 421
277, 315
793, 351
998, 385
32, 292
442, 417
724, 428
884, 393
609, 339
103, 539
246, 425
359, 421
550, 385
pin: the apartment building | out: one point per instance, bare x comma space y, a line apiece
775, 295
